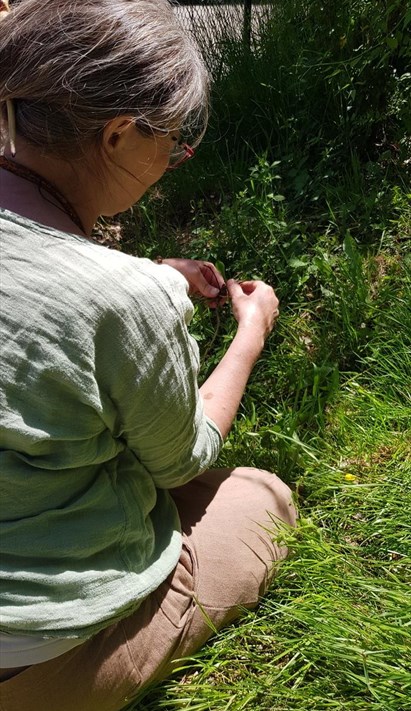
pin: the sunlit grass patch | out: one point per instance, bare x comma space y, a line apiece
334, 631
328, 406
327, 636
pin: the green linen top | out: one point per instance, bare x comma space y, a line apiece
100, 416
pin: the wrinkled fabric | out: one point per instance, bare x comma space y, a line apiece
230, 553
100, 416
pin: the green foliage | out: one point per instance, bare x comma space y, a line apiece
320, 108
333, 633
326, 90
324, 76
329, 409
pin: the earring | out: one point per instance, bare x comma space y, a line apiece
11, 122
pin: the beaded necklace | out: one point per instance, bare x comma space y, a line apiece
22, 172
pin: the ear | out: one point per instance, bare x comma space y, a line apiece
113, 132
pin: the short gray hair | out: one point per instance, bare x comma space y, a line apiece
70, 66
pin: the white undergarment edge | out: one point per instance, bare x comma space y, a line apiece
22, 650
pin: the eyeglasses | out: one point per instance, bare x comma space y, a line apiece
180, 154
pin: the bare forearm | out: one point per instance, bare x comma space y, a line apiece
223, 390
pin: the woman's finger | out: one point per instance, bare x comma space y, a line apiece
249, 286
209, 290
211, 274
234, 289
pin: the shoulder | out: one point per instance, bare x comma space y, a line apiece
135, 280
84, 272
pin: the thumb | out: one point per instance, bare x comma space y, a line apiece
234, 288
205, 288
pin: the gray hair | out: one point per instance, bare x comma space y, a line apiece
70, 66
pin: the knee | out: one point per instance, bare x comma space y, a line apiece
277, 496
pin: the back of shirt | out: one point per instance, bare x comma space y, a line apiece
100, 416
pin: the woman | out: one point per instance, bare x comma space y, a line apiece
121, 550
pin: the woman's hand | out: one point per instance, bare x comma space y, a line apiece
203, 279
254, 304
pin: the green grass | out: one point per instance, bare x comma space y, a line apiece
328, 407
326, 90
302, 180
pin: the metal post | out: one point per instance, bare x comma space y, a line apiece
247, 23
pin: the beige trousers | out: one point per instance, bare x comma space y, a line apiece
226, 562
